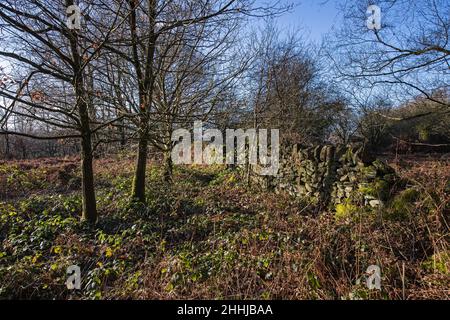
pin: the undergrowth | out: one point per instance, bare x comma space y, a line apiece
208, 235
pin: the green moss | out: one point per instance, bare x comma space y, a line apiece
403, 203
344, 210
382, 188
369, 172
424, 134
365, 188
382, 168
377, 189
405, 199
438, 262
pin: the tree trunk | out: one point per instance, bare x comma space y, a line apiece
138, 192
123, 141
7, 148
24, 149
145, 83
168, 167
89, 204
89, 213
87, 179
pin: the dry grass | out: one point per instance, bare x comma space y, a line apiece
208, 236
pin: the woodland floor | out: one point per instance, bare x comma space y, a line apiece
210, 236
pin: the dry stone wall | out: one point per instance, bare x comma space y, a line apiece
331, 175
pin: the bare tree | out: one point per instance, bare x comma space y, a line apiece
141, 46
51, 62
407, 56
199, 65
287, 91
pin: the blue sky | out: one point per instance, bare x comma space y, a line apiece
314, 17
